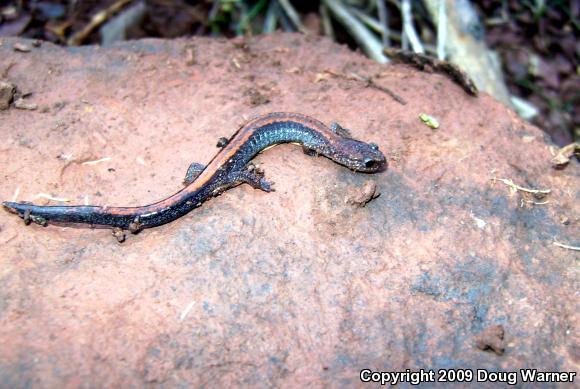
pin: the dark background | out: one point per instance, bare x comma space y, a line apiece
537, 41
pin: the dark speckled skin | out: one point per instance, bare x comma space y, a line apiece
226, 170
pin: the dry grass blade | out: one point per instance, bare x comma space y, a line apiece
293, 15
516, 187
566, 246
409, 29
441, 31
367, 41
384, 19
98, 19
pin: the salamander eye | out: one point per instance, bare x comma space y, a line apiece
369, 163
373, 146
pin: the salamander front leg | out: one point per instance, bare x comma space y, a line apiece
193, 172
340, 130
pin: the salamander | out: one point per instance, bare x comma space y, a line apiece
230, 167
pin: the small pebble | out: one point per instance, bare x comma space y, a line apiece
23, 104
23, 48
429, 120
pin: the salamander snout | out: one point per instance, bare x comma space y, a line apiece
362, 157
370, 163
376, 161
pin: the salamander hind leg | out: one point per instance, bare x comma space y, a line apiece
252, 176
193, 172
310, 152
222, 142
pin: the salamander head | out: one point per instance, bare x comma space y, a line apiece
359, 156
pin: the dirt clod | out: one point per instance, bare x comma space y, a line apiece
7, 91
119, 234
564, 155
492, 338
364, 195
255, 97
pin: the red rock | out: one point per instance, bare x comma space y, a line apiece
295, 287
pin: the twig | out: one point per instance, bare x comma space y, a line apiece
441, 31
408, 27
566, 246
366, 40
96, 161
425, 63
117, 27
98, 19
384, 19
293, 15
369, 83
516, 187
538, 202
372, 84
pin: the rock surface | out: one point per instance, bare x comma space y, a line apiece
297, 287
